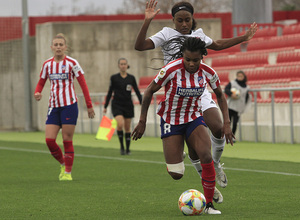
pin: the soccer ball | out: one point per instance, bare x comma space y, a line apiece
236, 92
192, 202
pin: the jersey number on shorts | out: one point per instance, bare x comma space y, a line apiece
49, 111
167, 128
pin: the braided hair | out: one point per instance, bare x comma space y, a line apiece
175, 47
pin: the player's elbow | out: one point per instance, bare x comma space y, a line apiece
138, 48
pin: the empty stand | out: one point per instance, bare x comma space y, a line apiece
291, 29
274, 42
242, 59
224, 77
290, 56
145, 81
264, 32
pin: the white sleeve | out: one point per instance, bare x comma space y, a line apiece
160, 37
77, 69
199, 33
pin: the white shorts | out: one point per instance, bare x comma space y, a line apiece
206, 101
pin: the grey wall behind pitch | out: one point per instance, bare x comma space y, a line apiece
248, 11
98, 45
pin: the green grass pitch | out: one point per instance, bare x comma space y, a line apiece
264, 181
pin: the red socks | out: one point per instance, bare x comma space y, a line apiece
208, 180
55, 150
69, 155
58, 155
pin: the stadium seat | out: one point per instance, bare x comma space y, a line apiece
274, 42
264, 32
145, 81
285, 57
241, 59
291, 29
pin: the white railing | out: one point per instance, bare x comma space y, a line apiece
90, 126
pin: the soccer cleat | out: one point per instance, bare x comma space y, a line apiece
128, 152
210, 209
122, 152
218, 198
62, 171
183, 155
66, 177
221, 177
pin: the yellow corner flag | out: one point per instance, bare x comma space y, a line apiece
106, 129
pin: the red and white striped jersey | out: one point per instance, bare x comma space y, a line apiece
183, 91
61, 76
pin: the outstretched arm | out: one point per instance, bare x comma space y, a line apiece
226, 43
141, 42
139, 130
224, 109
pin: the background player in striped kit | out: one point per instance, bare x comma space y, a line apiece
185, 80
63, 110
121, 84
185, 25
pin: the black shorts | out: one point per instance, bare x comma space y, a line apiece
125, 111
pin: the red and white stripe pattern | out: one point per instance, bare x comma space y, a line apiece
61, 76
183, 91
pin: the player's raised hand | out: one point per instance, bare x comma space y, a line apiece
37, 96
251, 31
150, 11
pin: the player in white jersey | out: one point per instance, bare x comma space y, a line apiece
185, 25
63, 110
185, 80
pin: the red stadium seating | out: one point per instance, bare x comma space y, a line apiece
224, 77
274, 42
256, 59
145, 81
288, 57
264, 32
291, 29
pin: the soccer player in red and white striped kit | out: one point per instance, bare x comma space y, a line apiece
63, 109
185, 80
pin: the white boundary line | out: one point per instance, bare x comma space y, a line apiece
143, 161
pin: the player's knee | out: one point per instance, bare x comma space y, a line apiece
176, 171
206, 158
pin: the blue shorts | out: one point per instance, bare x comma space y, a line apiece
184, 129
63, 115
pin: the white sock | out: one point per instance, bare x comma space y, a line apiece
217, 146
197, 165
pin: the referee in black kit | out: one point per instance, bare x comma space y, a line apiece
121, 85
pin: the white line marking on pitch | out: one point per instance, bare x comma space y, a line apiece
142, 161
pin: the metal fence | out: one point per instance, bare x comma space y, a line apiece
91, 126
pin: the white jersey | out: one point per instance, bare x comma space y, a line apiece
183, 91
168, 33
61, 76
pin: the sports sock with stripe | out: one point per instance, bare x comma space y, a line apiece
208, 180
55, 150
69, 155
